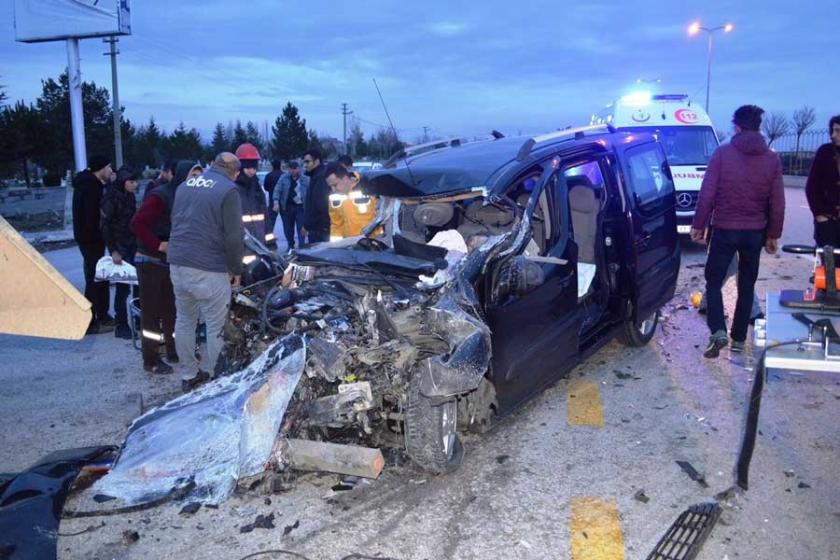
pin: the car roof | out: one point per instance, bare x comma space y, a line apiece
483, 164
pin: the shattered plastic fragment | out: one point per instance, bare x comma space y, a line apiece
212, 436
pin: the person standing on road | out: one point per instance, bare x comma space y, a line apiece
269, 184
165, 176
205, 253
152, 226
254, 210
316, 207
350, 209
88, 188
346, 161
743, 199
823, 188
117, 209
288, 203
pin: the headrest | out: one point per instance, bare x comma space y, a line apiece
489, 215
435, 214
582, 199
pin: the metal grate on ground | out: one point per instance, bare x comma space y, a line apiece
688, 533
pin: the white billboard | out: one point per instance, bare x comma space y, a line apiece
53, 20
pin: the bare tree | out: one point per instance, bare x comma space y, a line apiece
775, 126
803, 119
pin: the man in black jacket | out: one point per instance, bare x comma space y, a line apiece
823, 188
87, 197
269, 184
118, 207
316, 207
254, 206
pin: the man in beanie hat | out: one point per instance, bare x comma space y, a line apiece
254, 207
87, 198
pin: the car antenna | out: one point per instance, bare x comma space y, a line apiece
394, 131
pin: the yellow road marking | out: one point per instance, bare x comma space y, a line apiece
584, 406
596, 530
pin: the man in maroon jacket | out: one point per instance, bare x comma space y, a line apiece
823, 188
743, 200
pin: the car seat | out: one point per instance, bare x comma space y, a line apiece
584, 205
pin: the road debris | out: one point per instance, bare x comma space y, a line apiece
289, 528
640, 496
686, 536
692, 473
190, 508
261, 522
130, 537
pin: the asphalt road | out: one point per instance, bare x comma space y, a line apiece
556, 480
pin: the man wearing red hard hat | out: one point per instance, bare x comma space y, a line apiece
254, 207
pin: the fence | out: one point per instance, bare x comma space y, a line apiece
797, 154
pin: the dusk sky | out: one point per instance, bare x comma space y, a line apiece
460, 68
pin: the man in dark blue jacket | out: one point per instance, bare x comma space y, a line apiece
316, 207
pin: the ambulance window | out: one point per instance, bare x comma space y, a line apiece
648, 173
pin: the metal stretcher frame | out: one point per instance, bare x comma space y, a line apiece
780, 326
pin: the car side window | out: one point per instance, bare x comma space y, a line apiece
648, 173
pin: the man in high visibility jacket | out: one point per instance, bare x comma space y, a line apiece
350, 209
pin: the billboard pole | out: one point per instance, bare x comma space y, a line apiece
77, 117
115, 94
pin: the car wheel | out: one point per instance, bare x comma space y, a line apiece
431, 437
639, 332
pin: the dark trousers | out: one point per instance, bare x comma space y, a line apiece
827, 233
292, 218
97, 293
157, 310
121, 292
318, 235
723, 246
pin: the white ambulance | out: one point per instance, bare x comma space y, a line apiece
685, 132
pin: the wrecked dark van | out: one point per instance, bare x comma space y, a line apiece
499, 266
491, 269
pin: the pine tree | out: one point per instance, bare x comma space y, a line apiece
239, 135
252, 135
290, 139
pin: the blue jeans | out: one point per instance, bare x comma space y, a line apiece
723, 246
292, 218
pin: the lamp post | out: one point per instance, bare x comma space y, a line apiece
696, 28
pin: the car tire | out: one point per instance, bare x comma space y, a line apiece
639, 333
431, 437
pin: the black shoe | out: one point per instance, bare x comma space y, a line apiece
123, 331
737, 345
717, 341
107, 326
189, 383
160, 368
93, 328
172, 358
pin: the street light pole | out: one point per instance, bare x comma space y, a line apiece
694, 29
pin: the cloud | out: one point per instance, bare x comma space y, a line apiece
447, 28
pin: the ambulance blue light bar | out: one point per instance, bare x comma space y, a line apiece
670, 97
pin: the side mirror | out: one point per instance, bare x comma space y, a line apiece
666, 170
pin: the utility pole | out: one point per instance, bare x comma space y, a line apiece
425, 134
344, 113
113, 52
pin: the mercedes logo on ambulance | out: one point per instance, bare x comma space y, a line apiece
684, 200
